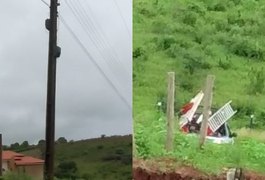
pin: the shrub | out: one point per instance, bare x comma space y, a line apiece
219, 6
119, 151
247, 48
66, 169
100, 147
166, 42
194, 63
189, 18
224, 64
139, 53
256, 81
160, 27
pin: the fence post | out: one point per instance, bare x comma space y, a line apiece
207, 103
170, 111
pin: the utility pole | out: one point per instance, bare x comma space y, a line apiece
54, 52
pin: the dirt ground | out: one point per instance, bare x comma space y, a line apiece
168, 169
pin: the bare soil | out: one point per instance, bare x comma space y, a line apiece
168, 169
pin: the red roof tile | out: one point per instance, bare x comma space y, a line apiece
21, 159
27, 160
7, 155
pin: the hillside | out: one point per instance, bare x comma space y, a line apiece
193, 39
100, 158
196, 38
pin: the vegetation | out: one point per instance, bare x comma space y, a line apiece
99, 158
246, 152
193, 39
16, 176
67, 170
196, 38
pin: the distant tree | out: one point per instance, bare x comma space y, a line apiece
25, 144
41, 146
14, 146
103, 136
41, 142
5, 147
66, 169
61, 140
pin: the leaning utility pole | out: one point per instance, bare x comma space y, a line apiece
54, 52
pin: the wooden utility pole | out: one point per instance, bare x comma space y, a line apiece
54, 52
207, 103
1, 150
170, 111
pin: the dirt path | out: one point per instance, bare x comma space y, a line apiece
167, 169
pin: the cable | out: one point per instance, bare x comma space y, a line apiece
122, 17
45, 3
99, 27
81, 21
93, 61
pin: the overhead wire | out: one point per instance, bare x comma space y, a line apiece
122, 17
93, 61
98, 29
91, 58
86, 26
45, 3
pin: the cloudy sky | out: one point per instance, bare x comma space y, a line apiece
87, 105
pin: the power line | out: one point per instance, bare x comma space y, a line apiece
93, 61
122, 17
86, 25
90, 22
45, 3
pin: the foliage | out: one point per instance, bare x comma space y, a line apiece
25, 144
196, 38
61, 140
66, 169
256, 81
16, 176
88, 156
246, 152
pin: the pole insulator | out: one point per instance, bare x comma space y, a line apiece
48, 24
58, 52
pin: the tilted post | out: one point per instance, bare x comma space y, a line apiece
170, 111
207, 103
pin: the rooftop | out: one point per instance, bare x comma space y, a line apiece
21, 159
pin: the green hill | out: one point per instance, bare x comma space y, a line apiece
193, 39
100, 158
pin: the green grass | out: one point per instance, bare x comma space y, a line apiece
246, 152
15, 176
89, 156
196, 38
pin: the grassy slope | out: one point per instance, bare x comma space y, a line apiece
172, 34
88, 156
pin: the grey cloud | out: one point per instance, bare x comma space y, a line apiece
86, 104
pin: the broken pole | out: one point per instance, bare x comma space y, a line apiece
170, 111
54, 52
207, 103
